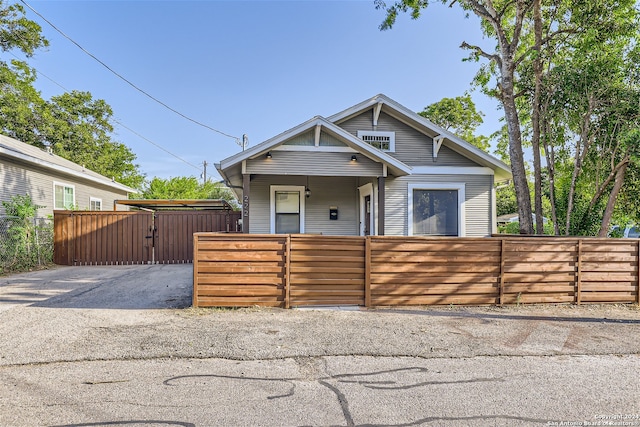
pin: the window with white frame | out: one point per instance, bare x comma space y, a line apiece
63, 196
436, 209
287, 209
95, 204
385, 141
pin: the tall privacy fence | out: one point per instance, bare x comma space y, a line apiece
297, 270
25, 244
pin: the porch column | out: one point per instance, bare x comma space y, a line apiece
381, 200
246, 195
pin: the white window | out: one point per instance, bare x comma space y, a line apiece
436, 209
64, 196
385, 141
95, 204
287, 209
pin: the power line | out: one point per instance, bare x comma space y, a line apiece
237, 140
118, 122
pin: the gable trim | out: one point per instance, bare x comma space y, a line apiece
452, 170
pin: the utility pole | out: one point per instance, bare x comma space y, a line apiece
204, 174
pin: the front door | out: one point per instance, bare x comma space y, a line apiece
367, 207
367, 215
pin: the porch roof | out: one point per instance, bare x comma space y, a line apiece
393, 165
501, 170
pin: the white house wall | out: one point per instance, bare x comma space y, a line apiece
341, 192
21, 179
313, 163
478, 206
412, 147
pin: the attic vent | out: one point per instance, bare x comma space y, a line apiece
385, 141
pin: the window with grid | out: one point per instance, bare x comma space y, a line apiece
384, 141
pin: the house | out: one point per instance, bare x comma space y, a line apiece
375, 168
53, 182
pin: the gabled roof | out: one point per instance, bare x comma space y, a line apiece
394, 165
405, 115
14, 149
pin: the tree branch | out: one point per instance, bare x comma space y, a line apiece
479, 51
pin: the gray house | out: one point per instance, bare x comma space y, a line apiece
53, 182
375, 168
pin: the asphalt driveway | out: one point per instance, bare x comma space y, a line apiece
101, 287
120, 345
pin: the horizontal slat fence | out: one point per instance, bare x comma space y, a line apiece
239, 271
327, 270
294, 270
409, 271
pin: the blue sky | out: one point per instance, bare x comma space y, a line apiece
256, 68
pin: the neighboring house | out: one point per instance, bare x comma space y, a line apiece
53, 182
376, 168
514, 217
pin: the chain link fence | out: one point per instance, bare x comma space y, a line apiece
25, 244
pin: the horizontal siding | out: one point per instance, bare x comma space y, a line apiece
477, 203
21, 179
313, 163
412, 147
308, 139
325, 192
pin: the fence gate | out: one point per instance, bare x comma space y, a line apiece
126, 237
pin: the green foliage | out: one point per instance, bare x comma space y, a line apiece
459, 116
25, 242
506, 202
18, 32
78, 127
187, 188
514, 228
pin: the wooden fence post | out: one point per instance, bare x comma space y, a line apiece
578, 296
638, 287
196, 240
367, 271
287, 272
501, 283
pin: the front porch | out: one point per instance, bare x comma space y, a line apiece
311, 204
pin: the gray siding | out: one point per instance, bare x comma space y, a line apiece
21, 179
477, 202
308, 139
412, 147
314, 163
325, 192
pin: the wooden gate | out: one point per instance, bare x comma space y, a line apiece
126, 237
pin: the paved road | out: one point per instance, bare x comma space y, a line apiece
119, 346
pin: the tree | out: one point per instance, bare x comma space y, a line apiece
531, 37
502, 21
459, 116
18, 32
182, 187
76, 126
78, 129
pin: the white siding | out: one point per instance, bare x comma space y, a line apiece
412, 147
478, 202
325, 192
314, 163
21, 179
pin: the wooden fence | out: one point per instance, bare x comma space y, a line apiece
132, 237
295, 270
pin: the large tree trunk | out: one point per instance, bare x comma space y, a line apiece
535, 117
611, 203
515, 149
